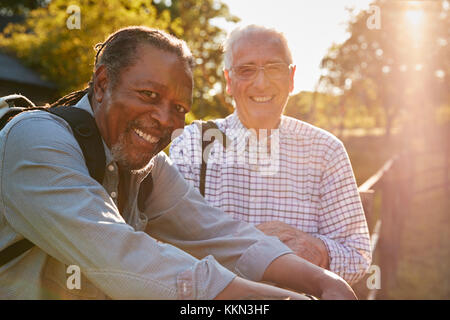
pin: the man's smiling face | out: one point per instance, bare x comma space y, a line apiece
137, 115
260, 101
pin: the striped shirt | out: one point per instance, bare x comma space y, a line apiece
300, 175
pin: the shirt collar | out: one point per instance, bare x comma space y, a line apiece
236, 130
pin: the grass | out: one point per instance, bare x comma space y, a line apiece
424, 263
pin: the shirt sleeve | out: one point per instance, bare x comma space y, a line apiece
48, 197
342, 226
179, 215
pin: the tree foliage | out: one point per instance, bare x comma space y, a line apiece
20, 7
335, 113
204, 38
65, 56
399, 69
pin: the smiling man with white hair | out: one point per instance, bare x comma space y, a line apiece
287, 177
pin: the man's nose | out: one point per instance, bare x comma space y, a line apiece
162, 114
261, 80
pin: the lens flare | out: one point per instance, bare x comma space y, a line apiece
414, 16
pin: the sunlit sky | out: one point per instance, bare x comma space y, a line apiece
311, 27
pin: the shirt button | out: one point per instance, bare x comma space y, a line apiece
111, 167
113, 194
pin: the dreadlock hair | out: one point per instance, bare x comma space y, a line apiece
119, 51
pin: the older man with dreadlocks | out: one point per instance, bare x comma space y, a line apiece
178, 246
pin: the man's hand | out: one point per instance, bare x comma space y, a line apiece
303, 244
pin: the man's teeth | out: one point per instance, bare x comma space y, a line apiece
261, 99
146, 137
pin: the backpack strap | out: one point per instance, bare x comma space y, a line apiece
15, 250
145, 189
88, 137
204, 126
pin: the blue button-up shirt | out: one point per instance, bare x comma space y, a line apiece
179, 247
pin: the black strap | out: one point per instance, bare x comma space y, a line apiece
145, 189
88, 137
206, 125
15, 250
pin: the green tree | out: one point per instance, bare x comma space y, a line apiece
399, 67
20, 7
195, 25
332, 112
65, 56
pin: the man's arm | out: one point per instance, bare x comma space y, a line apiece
308, 279
342, 224
180, 216
242, 289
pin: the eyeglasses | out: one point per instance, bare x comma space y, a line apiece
273, 71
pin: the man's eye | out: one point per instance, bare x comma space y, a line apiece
246, 70
276, 67
180, 108
150, 94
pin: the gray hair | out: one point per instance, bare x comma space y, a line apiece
242, 31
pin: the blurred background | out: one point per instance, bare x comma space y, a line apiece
374, 73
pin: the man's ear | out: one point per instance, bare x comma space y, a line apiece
291, 79
100, 83
226, 73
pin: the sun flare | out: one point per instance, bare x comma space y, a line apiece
414, 16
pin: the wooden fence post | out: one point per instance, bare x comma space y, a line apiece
446, 168
397, 187
385, 248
